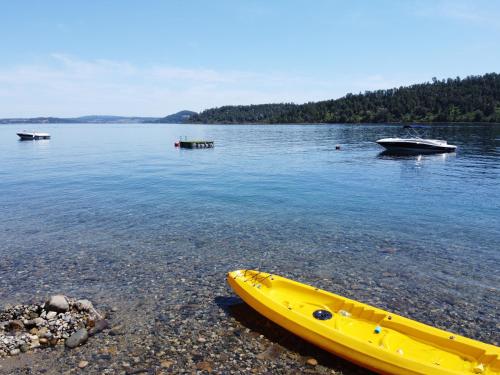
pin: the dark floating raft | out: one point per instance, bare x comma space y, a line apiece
195, 144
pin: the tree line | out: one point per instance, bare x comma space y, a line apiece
471, 99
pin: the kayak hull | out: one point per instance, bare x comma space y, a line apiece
401, 345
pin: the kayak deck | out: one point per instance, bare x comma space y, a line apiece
366, 335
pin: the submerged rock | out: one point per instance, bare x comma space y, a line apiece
78, 338
99, 326
117, 330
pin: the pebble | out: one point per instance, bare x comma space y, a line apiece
42, 332
166, 364
83, 364
271, 353
312, 362
117, 330
39, 321
204, 366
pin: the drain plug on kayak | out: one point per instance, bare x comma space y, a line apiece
322, 314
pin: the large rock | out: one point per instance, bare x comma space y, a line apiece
78, 338
57, 303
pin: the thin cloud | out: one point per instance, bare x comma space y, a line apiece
67, 86
462, 11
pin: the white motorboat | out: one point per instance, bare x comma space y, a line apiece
30, 136
415, 143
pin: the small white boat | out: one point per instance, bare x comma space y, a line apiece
30, 136
415, 143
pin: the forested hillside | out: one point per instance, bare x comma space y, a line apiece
176, 118
472, 99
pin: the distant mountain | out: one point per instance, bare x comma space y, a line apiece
472, 99
103, 119
38, 120
176, 118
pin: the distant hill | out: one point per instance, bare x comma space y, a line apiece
176, 118
37, 120
79, 120
472, 99
96, 119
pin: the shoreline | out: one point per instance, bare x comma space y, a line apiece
430, 124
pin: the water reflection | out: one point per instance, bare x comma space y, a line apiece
401, 155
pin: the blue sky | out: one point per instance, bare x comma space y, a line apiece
152, 58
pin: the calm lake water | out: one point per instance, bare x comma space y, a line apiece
100, 209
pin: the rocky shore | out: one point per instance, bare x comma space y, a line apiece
58, 321
166, 307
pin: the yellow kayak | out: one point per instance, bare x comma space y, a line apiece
370, 337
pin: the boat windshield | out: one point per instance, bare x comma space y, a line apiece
416, 131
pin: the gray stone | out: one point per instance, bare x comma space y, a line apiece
51, 315
117, 330
35, 343
28, 324
39, 321
99, 326
84, 305
58, 303
78, 338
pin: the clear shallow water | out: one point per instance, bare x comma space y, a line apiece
104, 210
132, 174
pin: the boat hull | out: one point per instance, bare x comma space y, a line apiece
402, 346
416, 147
32, 136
